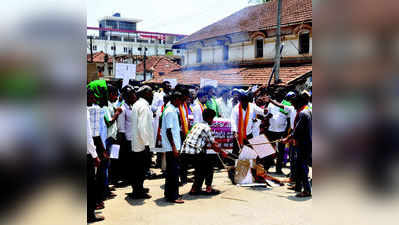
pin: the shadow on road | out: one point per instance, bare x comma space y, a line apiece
134, 202
293, 198
162, 202
195, 197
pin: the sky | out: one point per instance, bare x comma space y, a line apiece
167, 16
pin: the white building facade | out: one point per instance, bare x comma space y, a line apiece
119, 36
246, 46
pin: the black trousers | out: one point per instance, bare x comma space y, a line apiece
203, 171
138, 164
101, 177
91, 187
293, 158
185, 160
148, 160
269, 161
172, 177
121, 171
302, 176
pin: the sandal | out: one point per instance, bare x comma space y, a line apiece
177, 201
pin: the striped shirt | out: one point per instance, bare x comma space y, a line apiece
95, 115
196, 141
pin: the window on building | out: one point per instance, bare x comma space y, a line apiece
111, 24
259, 48
127, 25
199, 55
139, 49
124, 49
304, 43
94, 47
113, 47
178, 51
225, 52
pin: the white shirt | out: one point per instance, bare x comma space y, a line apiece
225, 109
170, 120
197, 112
94, 112
254, 110
113, 129
125, 121
91, 148
143, 131
103, 126
292, 114
157, 101
278, 121
256, 128
155, 122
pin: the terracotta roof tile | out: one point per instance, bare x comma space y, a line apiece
98, 57
254, 18
158, 64
234, 76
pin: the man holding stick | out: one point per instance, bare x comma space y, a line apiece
301, 137
196, 144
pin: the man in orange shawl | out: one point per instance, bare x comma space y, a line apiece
242, 119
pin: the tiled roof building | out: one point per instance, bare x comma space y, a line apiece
239, 50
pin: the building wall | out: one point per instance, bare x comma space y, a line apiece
207, 55
152, 49
242, 51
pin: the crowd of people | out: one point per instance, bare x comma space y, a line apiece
139, 119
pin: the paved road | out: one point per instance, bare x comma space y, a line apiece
234, 206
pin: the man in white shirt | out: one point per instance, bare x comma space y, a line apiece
142, 140
92, 162
225, 104
199, 106
124, 124
277, 129
97, 123
171, 142
242, 119
157, 101
111, 116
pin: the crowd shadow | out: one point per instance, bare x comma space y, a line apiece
134, 202
162, 202
189, 197
297, 199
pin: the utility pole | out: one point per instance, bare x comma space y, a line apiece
145, 73
91, 48
278, 40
